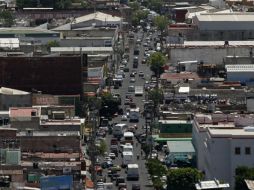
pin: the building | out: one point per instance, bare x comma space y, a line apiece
14, 98
43, 74
243, 73
225, 26
50, 141
26, 118
208, 52
212, 184
93, 20
30, 35
175, 128
222, 143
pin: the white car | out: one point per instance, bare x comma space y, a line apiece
124, 118
112, 155
132, 80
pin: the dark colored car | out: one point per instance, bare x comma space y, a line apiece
135, 186
120, 180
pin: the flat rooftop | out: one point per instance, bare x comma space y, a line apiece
224, 121
49, 133
231, 133
218, 43
174, 122
180, 147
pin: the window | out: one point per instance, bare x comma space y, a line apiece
237, 150
247, 151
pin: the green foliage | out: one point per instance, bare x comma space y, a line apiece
63, 4
138, 15
183, 178
6, 18
161, 22
103, 147
155, 168
155, 5
242, 173
25, 3
93, 103
109, 105
134, 5
52, 43
157, 61
156, 95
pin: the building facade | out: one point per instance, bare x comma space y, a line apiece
223, 143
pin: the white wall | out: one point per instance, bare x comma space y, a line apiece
212, 55
250, 104
216, 156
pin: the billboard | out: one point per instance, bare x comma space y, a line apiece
56, 182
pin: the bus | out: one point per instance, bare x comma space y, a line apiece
119, 129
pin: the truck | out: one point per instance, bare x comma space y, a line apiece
132, 172
134, 115
119, 129
139, 90
127, 158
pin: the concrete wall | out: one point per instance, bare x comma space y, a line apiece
213, 55
7, 101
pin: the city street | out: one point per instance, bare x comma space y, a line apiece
144, 181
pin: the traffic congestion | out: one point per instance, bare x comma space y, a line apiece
123, 164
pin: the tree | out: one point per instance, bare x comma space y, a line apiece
24, 3
6, 18
157, 61
109, 105
155, 168
102, 148
63, 4
183, 178
161, 22
134, 5
155, 5
156, 95
242, 173
138, 15
52, 43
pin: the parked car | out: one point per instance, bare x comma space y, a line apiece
112, 155
124, 118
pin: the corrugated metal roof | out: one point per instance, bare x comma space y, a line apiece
180, 147
98, 16
226, 17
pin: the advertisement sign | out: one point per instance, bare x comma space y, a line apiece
56, 182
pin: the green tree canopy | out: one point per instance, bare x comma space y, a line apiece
183, 178
155, 168
109, 105
52, 43
63, 4
134, 5
103, 147
242, 173
156, 95
7, 18
161, 22
138, 15
155, 5
157, 61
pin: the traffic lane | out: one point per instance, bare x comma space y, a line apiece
144, 176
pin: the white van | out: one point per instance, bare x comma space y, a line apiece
127, 158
